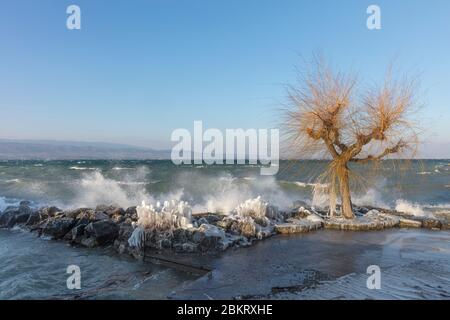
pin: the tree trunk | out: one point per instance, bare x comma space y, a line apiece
346, 202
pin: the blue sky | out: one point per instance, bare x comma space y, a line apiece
139, 69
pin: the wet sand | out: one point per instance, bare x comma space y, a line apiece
415, 264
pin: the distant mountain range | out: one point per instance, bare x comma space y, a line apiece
73, 150
70, 150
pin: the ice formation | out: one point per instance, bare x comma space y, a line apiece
257, 209
137, 238
160, 220
171, 215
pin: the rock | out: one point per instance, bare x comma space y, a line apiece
57, 228
187, 247
83, 221
118, 218
110, 210
104, 208
210, 218
14, 215
408, 223
25, 203
122, 247
5, 217
88, 214
80, 213
131, 213
88, 242
293, 226
209, 238
373, 220
22, 218
104, 231
49, 211
301, 213
198, 236
225, 223
99, 215
265, 232
245, 227
431, 223
33, 219
125, 231
76, 234
180, 236
202, 220
116, 212
315, 218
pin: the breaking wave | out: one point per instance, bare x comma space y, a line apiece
407, 207
5, 202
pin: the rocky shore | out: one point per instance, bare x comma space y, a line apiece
207, 233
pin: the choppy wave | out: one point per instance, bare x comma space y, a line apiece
12, 180
133, 183
128, 183
302, 184
411, 208
5, 202
83, 168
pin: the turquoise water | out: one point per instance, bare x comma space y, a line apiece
424, 183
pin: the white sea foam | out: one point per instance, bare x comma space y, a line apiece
82, 168
94, 189
410, 208
3, 204
6, 202
133, 183
12, 181
309, 184
225, 193
370, 198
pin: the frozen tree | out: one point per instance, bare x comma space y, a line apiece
329, 117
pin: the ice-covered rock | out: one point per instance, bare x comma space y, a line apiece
373, 220
257, 209
159, 222
300, 225
169, 216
